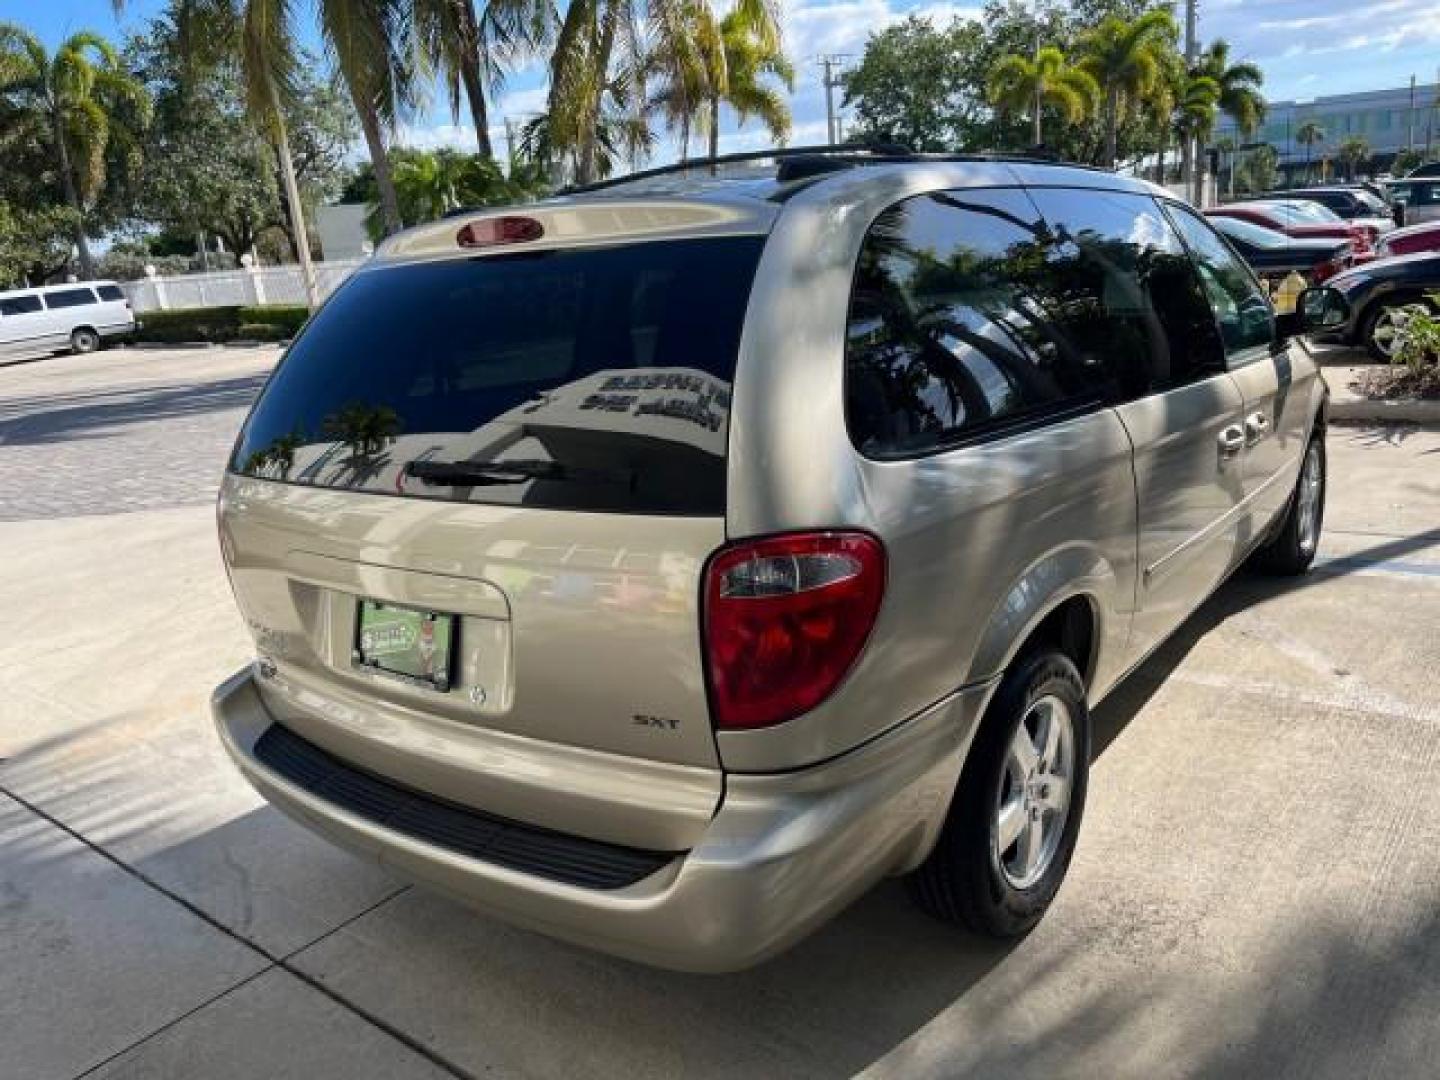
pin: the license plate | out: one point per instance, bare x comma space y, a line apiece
405, 643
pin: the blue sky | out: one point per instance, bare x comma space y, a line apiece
1306, 48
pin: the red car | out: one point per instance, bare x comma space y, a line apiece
1300, 222
1410, 240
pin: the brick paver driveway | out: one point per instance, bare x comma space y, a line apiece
123, 429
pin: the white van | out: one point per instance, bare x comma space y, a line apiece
38, 322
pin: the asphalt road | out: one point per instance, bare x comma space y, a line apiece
1256, 893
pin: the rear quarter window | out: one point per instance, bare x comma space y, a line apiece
595, 379
110, 292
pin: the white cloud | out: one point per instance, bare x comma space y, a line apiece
436, 136
815, 28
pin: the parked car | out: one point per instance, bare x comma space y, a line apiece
1410, 240
1300, 219
80, 317
1383, 296
1351, 203
645, 572
1273, 255
1420, 172
1371, 227
1420, 198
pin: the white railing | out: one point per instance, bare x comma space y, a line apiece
248, 285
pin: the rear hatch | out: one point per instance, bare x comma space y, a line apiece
467, 520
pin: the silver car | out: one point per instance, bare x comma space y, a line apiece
1420, 198
662, 565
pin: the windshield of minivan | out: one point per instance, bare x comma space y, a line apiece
593, 379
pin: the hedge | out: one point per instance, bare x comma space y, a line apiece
218, 324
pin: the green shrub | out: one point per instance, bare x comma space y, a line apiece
286, 317
259, 331
221, 324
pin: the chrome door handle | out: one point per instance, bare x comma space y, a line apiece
1232, 440
1256, 425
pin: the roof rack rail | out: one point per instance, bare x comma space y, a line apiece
797, 162
723, 159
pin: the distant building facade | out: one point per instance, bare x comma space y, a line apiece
1389, 120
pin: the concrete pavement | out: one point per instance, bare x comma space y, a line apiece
1256, 892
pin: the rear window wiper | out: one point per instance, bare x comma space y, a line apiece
482, 473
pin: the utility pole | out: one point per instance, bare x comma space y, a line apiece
1410, 144
509, 139
831, 80
1430, 117
1188, 150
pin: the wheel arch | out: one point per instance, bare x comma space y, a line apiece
1067, 600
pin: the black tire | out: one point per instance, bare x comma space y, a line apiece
962, 881
1292, 549
84, 340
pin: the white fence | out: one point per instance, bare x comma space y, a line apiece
252, 285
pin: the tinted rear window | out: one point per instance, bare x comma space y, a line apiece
19, 305
593, 379
69, 298
110, 292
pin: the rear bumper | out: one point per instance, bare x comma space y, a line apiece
783, 853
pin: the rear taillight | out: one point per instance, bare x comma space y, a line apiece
785, 618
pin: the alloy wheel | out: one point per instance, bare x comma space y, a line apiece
1034, 800
1309, 500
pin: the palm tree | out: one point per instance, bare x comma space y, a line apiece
370, 45
1239, 83
1308, 134
678, 75
750, 54
1018, 83
472, 52
79, 96
1157, 110
1240, 96
1126, 58
1195, 111
430, 184
1352, 152
1225, 146
598, 67
258, 33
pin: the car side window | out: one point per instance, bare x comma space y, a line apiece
69, 298
953, 331
1244, 312
1131, 294
20, 305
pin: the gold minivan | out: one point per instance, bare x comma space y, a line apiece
661, 565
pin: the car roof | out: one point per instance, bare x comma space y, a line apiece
53, 288
742, 195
